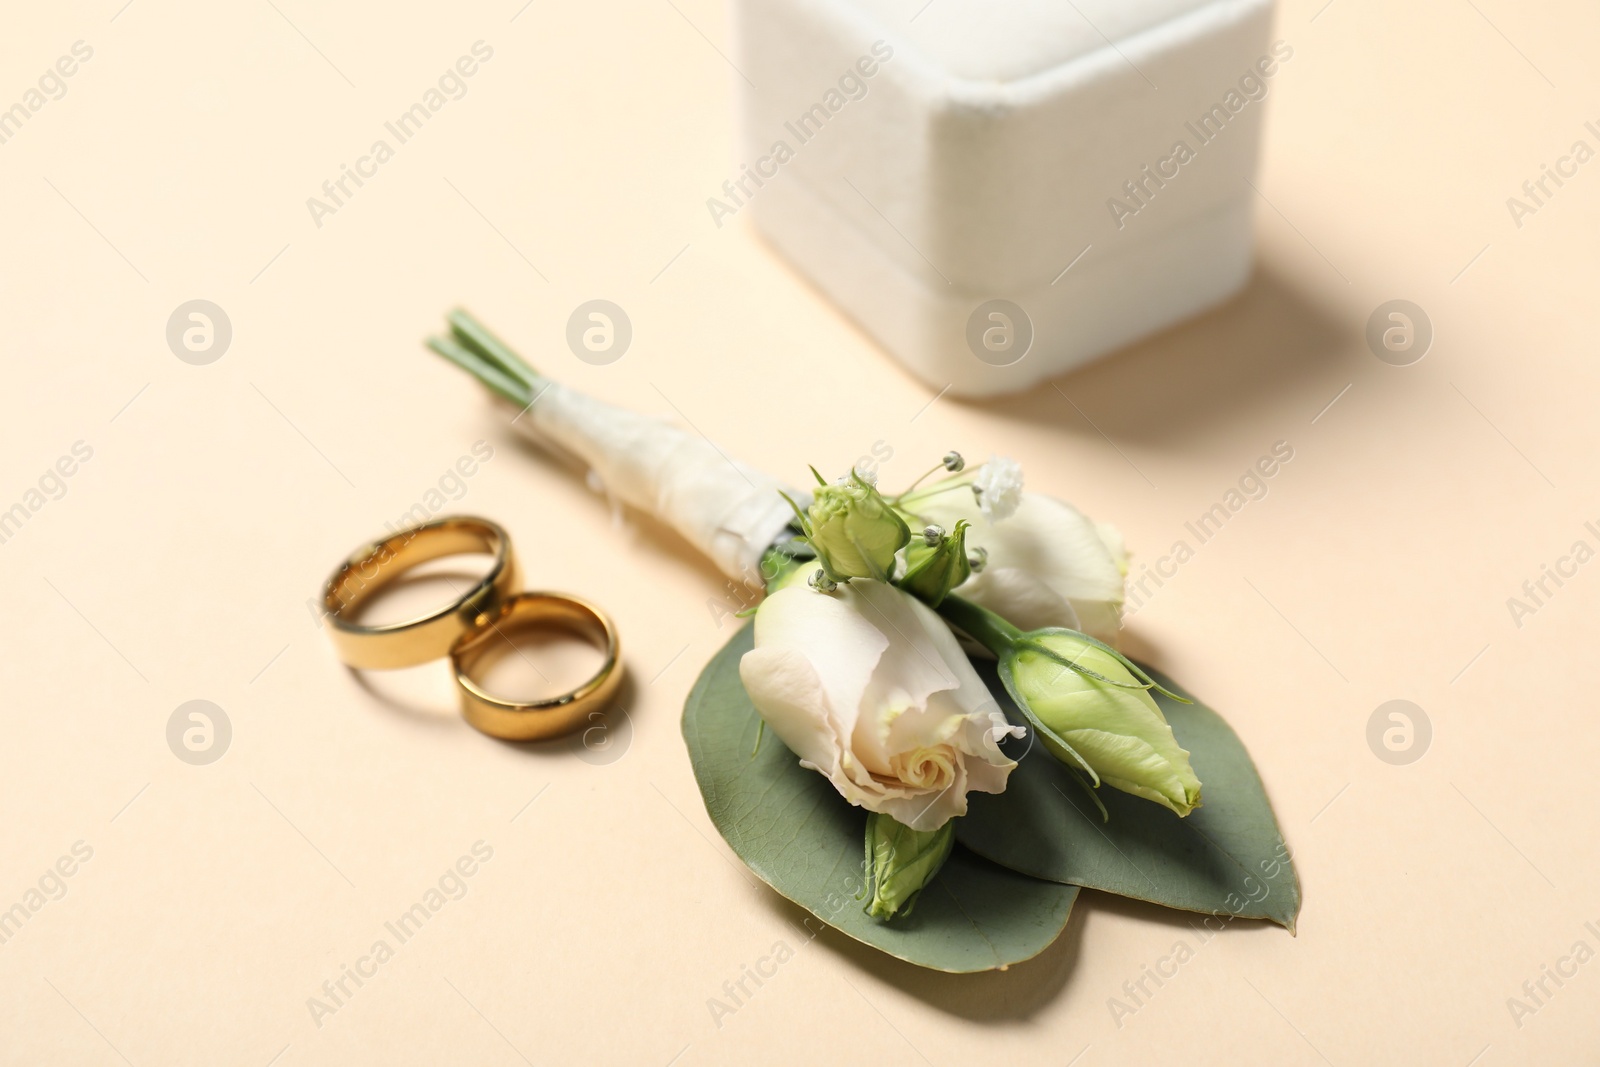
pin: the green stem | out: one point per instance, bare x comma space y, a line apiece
907, 490
909, 499
476, 337
486, 372
481, 354
983, 625
1003, 639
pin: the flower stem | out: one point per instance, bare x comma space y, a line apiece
983, 625
909, 499
476, 337
497, 380
481, 354
931, 471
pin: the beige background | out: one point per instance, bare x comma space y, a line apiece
179, 561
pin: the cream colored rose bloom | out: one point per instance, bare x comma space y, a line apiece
1048, 563
868, 686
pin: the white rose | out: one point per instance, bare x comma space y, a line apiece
868, 686
1048, 563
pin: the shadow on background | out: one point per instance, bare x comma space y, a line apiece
426, 693
1164, 391
421, 693
419, 700
603, 739
1023, 990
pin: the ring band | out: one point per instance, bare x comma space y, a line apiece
431, 636
513, 720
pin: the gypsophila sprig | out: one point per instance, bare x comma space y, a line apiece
998, 487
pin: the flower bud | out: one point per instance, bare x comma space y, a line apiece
901, 861
936, 564
854, 530
1099, 717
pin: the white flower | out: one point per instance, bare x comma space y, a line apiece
869, 687
866, 474
1048, 564
998, 487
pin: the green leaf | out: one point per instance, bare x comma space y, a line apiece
1227, 858
802, 838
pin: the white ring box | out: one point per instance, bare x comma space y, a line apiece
915, 168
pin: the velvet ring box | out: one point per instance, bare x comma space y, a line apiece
1000, 190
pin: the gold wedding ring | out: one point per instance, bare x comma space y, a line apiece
539, 719
431, 636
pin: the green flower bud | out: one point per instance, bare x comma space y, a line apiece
936, 563
1108, 725
854, 530
901, 861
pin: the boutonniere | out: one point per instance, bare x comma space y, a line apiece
957, 745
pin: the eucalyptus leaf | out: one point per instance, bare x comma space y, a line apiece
1226, 858
798, 835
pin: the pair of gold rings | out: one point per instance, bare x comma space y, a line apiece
466, 629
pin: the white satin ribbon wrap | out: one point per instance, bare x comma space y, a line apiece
727, 510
